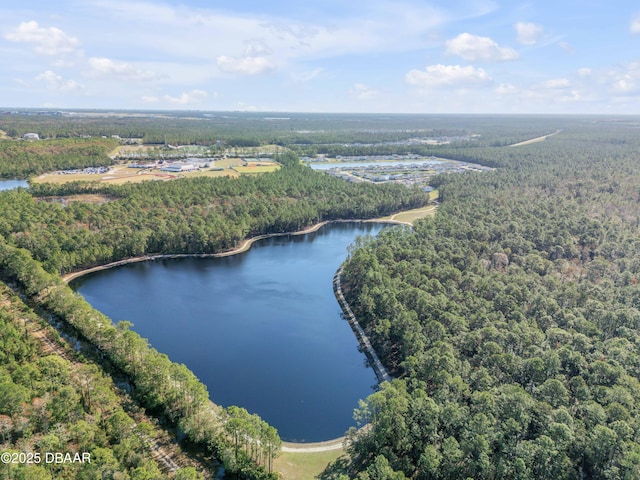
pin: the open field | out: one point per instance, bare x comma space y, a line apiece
257, 167
409, 216
118, 174
304, 466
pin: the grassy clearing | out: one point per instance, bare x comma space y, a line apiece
304, 466
257, 168
256, 151
228, 162
411, 216
212, 173
60, 179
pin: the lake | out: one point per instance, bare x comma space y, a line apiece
261, 329
11, 184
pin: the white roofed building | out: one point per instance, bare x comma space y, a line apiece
179, 167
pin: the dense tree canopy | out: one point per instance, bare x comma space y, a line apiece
308, 133
20, 159
50, 403
511, 320
198, 215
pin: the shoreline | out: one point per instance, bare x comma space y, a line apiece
313, 447
374, 362
243, 247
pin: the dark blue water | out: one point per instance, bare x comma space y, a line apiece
11, 184
261, 329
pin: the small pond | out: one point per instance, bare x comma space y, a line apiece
11, 184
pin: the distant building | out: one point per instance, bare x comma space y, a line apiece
179, 167
31, 136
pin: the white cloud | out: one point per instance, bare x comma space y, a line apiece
105, 67
192, 97
46, 41
557, 83
56, 83
254, 60
474, 48
435, 76
257, 48
625, 84
183, 48
571, 96
528, 33
506, 89
635, 24
361, 91
246, 65
383, 25
614, 82
621, 81
567, 47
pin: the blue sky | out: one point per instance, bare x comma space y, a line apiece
407, 56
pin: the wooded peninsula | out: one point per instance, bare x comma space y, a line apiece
509, 320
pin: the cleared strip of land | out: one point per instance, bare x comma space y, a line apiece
535, 140
409, 216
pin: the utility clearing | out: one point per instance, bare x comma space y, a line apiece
535, 140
